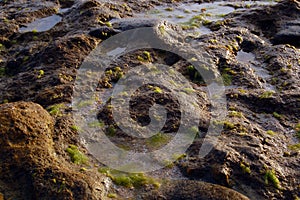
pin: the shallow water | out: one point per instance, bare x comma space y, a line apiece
197, 15
180, 14
191, 14
260, 71
63, 10
42, 24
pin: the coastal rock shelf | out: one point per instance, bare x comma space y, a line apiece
250, 48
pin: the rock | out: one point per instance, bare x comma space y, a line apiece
66, 3
270, 21
13, 66
187, 189
28, 155
33, 143
128, 24
103, 32
289, 34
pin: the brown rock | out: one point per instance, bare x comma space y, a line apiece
28, 157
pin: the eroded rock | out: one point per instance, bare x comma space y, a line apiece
29, 159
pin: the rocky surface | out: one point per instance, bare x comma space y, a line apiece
256, 50
174, 189
29, 163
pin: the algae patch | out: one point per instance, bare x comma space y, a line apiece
76, 156
129, 180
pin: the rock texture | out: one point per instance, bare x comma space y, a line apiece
29, 163
256, 51
177, 190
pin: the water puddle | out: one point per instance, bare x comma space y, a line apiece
116, 51
63, 10
245, 57
260, 71
41, 25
